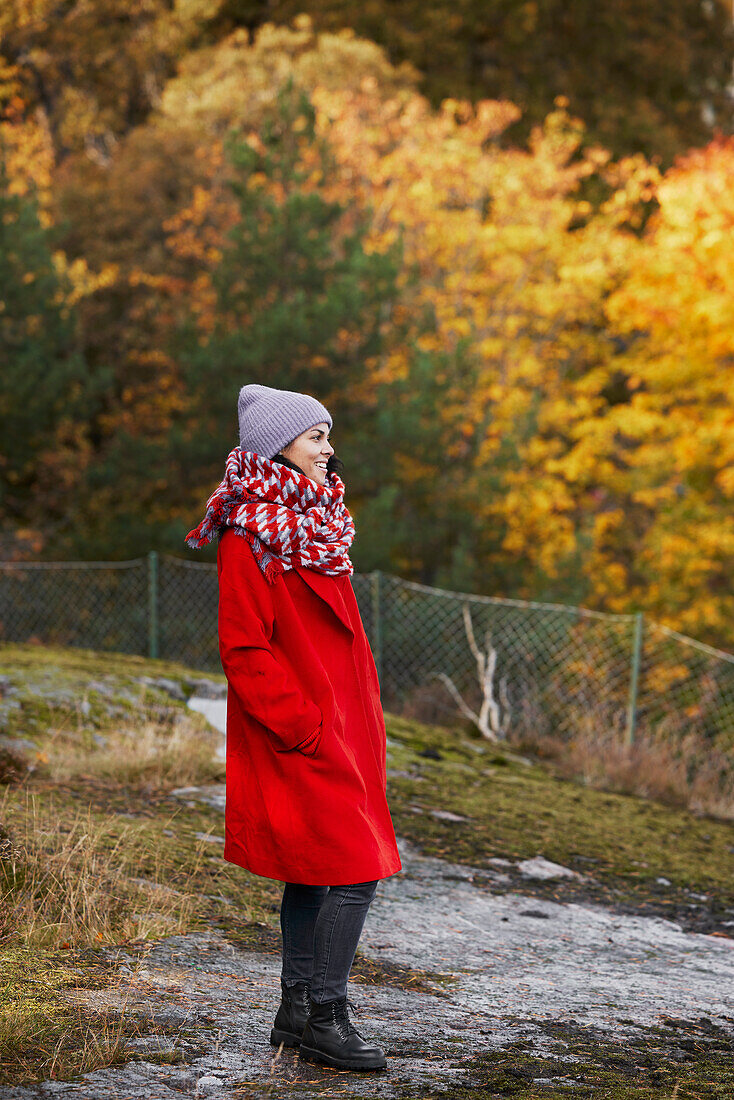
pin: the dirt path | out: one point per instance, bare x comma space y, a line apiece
525, 975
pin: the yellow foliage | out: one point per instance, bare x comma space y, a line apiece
83, 281
662, 677
601, 371
236, 81
29, 154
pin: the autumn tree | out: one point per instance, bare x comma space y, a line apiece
268, 281
656, 457
95, 68
513, 267
46, 387
645, 75
295, 297
526, 348
120, 214
622, 490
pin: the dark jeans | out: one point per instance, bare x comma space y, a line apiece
321, 926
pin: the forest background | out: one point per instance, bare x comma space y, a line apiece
495, 238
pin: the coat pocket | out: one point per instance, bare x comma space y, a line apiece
310, 746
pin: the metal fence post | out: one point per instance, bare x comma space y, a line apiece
376, 621
634, 680
152, 603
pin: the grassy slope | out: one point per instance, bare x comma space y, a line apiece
519, 811
513, 810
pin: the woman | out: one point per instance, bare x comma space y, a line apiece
306, 745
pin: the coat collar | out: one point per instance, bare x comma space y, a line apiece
324, 587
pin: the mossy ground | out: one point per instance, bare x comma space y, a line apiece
56, 688
67, 663
681, 1059
623, 844
514, 811
44, 1036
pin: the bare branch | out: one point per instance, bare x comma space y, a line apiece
494, 714
451, 686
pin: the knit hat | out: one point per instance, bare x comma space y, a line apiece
269, 418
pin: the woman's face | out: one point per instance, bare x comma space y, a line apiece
311, 450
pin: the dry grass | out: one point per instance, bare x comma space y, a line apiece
92, 854
150, 755
70, 878
27, 1037
45, 1037
683, 773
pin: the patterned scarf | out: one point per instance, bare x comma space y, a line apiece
287, 518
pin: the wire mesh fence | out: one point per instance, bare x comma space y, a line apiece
685, 686
510, 666
188, 596
98, 605
537, 668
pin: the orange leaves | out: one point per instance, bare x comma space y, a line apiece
681, 290
235, 82
198, 231
677, 303
581, 367
624, 448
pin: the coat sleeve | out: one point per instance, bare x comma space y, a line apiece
265, 688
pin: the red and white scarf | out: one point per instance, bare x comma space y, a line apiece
287, 517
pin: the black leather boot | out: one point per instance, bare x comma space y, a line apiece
330, 1037
292, 1014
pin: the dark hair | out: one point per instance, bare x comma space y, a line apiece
333, 464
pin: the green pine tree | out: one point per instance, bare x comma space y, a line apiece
291, 282
44, 377
293, 279
417, 514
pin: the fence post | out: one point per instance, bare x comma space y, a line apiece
376, 622
634, 679
152, 603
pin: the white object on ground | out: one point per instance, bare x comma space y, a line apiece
215, 712
545, 868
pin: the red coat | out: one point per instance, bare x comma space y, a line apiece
306, 743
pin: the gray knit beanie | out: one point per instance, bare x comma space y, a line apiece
270, 419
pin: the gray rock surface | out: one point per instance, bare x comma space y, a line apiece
447, 815
214, 709
170, 687
542, 868
18, 745
518, 966
213, 795
207, 689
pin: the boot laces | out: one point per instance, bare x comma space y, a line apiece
340, 1016
304, 998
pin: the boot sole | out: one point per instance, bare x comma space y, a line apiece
287, 1038
310, 1054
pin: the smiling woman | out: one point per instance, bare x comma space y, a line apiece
310, 452
306, 747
